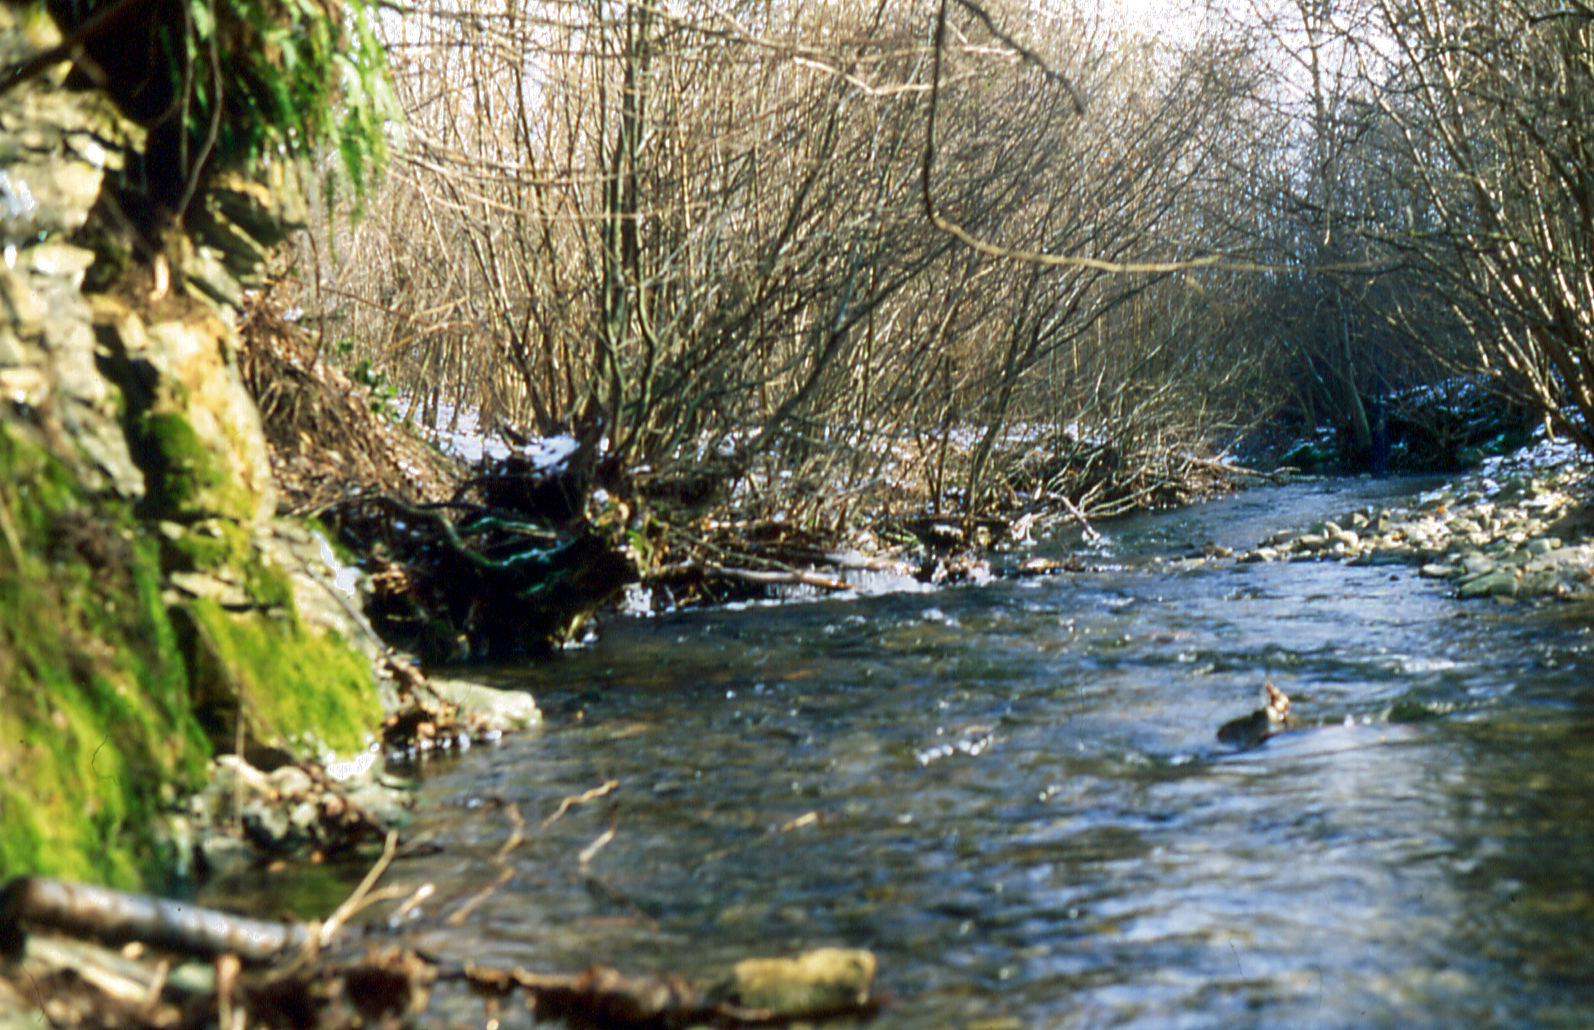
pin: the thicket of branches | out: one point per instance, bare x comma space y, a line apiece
1438, 168
717, 232
706, 226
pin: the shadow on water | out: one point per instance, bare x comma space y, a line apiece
1013, 794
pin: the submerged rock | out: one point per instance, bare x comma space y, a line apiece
1251, 730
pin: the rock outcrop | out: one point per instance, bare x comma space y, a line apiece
153, 611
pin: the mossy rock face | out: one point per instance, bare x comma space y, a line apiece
293, 688
96, 722
187, 480
142, 622
225, 551
194, 430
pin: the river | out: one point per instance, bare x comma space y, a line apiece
1013, 795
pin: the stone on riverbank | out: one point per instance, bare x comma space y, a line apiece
152, 611
487, 709
1518, 528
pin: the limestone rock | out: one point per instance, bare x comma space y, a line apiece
489, 709
200, 440
816, 983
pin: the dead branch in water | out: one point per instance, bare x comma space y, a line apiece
116, 917
290, 979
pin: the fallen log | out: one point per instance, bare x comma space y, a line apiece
295, 981
116, 917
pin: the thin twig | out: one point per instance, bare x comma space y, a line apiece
517, 836
580, 799
591, 850
463, 912
353, 904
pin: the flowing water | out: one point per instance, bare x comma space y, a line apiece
1013, 795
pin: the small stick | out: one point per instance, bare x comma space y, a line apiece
516, 838
464, 911
588, 852
353, 904
580, 799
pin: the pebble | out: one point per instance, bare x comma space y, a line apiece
1511, 530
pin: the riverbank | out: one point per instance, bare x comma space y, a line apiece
156, 610
1519, 526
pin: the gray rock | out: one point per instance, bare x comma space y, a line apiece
205, 269
488, 708
211, 587
290, 781
1498, 583
1476, 565
1543, 583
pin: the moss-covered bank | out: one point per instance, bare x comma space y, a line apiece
151, 609
117, 688
96, 725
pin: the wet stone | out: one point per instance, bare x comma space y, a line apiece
1499, 583
1476, 565
488, 709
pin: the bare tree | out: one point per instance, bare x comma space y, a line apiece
702, 228
1495, 105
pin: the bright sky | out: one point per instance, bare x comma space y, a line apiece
1175, 20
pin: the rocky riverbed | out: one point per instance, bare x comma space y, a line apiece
1518, 527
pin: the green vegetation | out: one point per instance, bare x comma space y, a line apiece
227, 84
104, 692
94, 703
311, 692
187, 479
133, 635
295, 77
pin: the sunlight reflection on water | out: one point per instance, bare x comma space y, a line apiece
1014, 796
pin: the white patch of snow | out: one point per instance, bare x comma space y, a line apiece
344, 577
357, 766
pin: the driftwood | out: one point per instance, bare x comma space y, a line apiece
694, 581
115, 917
793, 577
293, 980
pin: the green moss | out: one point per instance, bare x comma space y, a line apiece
107, 708
187, 480
294, 687
215, 544
95, 715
